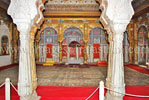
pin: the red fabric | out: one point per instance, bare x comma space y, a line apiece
64, 50
14, 95
96, 50
137, 90
72, 52
49, 50
8, 66
76, 93
102, 63
81, 51
137, 68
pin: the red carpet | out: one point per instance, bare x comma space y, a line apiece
8, 66
137, 68
77, 93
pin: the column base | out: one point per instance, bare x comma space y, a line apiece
110, 96
34, 96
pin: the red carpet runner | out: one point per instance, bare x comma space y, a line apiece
137, 68
134, 67
76, 93
8, 66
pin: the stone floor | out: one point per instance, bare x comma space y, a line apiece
75, 76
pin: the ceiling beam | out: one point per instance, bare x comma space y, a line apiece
72, 13
141, 9
142, 6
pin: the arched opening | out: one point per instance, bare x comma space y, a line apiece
143, 43
4, 45
97, 45
72, 46
48, 45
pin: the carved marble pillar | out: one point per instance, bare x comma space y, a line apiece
16, 45
26, 13
77, 53
116, 79
85, 52
126, 48
11, 43
25, 88
37, 51
68, 53
131, 42
101, 52
32, 57
60, 52
110, 55
116, 14
135, 44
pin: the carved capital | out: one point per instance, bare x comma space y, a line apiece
118, 38
23, 25
22, 9
116, 13
119, 27
29, 10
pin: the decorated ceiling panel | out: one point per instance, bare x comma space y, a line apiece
67, 5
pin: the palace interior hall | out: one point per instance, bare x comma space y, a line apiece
69, 47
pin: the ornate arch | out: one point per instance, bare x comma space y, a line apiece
142, 35
97, 32
4, 45
74, 32
73, 29
49, 35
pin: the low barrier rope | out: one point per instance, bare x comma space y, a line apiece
127, 94
92, 93
13, 87
2, 85
16, 89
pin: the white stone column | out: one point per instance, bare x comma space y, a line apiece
53, 53
138, 53
101, 52
92, 53
26, 14
117, 67
25, 79
116, 15
126, 47
68, 53
77, 53
126, 53
147, 54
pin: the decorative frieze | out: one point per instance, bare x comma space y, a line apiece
72, 5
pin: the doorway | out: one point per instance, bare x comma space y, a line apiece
73, 42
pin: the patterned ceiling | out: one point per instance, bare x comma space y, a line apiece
74, 5
5, 1
78, 3
82, 2
136, 3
